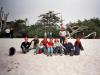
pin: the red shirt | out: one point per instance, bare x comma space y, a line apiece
50, 44
77, 43
44, 42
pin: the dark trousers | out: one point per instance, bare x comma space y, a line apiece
77, 51
69, 52
24, 49
58, 50
7, 35
62, 39
11, 35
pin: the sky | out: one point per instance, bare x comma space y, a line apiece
71, 10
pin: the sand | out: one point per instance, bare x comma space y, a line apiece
87, 63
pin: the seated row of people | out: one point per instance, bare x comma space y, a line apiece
53, 47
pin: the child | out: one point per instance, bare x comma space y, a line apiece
25, 45
44, 43
50, 45
58, 47
69, 48
36, 42
62, 34
39, 49
78, 46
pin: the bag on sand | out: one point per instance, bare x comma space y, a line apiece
12, 51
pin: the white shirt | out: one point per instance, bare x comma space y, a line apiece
62, 33
7, 30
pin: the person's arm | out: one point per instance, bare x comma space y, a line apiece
28, 45
60, 33
71, 45
75, 43
31, 42
81, 47
22, 45
65, 33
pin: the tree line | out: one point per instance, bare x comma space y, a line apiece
50, 22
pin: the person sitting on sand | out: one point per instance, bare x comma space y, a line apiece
44, 43
58, 47
78, 46
69, 48
25, 45
35, 41
50, 45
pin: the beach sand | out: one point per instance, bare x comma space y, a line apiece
87, 63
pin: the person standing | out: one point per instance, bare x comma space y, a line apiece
62, 35
50, 34
45, 34
11, 33
7, 31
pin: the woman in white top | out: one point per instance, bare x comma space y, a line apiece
62, 34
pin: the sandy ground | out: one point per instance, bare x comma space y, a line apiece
88, 63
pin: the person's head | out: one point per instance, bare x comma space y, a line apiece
51, 40
56, 40
78, 39
35, 36
11, 28
62, 29
26, 39
45, 38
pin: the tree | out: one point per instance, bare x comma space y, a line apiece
3, 19
85, 29
49, 18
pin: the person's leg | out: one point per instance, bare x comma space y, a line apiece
36, 50
57, 49
60, 51
44, 50
77, 51
23, 49
72, 52
51, 51
7, 35
12, 36
65, 51
61, 39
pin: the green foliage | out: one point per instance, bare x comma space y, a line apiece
48, 22
92, 24
49, 18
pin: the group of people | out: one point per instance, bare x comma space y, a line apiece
51, 46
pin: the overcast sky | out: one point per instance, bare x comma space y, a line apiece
71, 10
